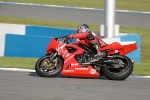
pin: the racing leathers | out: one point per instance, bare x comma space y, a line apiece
92, 39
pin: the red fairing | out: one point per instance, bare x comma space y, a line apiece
77, 70
71, 66
116, 47
52, 46
127, 48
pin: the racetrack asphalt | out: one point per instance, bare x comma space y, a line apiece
93, 16
29, 86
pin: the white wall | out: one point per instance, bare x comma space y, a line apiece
12, 28
111, 40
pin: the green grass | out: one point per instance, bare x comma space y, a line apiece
142, 68
141, 5
16, 20
17, 62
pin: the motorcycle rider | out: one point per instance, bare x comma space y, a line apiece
84, 32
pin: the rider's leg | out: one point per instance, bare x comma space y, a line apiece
99, 54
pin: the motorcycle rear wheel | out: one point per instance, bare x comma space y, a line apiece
120, 73
46, 67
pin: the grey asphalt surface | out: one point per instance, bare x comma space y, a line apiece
29, 86
73, 15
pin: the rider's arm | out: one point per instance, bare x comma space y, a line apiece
79, 35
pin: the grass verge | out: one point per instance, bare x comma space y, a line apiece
142, 68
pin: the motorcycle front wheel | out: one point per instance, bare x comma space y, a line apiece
121, 71
47, 67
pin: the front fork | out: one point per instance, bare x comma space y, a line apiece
53, 55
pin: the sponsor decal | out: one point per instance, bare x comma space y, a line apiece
74, 64
60, 48
81, 68
92, 71
68, 58
68, 70
65, 53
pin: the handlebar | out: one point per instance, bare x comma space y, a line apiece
63, 40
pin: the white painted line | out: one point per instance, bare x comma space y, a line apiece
17, 69
145, 12
122, 10
22, 3
146, 76
134, 76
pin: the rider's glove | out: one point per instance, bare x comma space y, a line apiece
67, 37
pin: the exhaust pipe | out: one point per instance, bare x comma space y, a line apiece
132, 61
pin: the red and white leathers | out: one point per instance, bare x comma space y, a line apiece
91, 39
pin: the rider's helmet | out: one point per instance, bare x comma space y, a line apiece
83, 28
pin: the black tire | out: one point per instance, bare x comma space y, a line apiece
110, 74
47, 73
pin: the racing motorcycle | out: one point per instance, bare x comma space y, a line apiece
74, 59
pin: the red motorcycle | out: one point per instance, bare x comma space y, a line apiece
74, 59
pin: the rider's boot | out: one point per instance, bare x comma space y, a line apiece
98, 56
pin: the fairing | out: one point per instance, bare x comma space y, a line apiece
122, 49
73, 68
